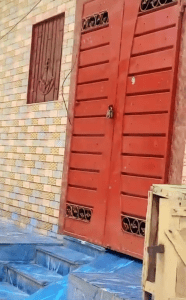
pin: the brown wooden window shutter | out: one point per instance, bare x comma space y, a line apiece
45, 60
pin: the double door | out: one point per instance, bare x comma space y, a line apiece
121, 132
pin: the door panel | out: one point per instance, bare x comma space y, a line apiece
141, 142
94, 56
138, 186
157, 20
89, 126
94, 73
82, 196
92, 132
89, 161
91, 108
134, 206
93, 91
147, 83
145, 124
95, 39
154, 41
146, 166
151, 62
85, 179
86, 144
148, 103
146, 145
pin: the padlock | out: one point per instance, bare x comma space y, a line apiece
110, 112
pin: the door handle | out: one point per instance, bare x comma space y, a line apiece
110, 112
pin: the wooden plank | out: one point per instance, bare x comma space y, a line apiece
87, 144
177, 242
83, 179
166, 273
92, 90
91, 108
145, 124
138, 186
150, 288
89, 126
94, 73
149, 82
134, 206
148, 103
151, 62
146, 145
95, 39
157, 20
85, 161
31, 89
94, 56
40, 47
81, 196
43, 58
147, 240
154, 41
147, 166
50, 95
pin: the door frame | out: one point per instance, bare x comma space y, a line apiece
69, 127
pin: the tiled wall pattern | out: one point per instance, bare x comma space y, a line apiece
32, 137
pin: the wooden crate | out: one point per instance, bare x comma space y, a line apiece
164, 266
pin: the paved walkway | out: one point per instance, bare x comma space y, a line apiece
11, 234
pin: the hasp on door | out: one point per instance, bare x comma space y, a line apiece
124, 100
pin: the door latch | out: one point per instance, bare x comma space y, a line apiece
110, 112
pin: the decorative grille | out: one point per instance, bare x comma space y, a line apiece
45, 60
151, 4
79, 212
95, 21
133, 225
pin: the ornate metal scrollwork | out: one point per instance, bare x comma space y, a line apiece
150, 4
133, 225
96, 20
46, 81
78, 212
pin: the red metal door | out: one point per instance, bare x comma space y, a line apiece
127, 59
142, 132
91, 144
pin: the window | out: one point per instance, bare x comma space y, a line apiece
45, 60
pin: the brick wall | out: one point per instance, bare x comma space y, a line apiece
32, 137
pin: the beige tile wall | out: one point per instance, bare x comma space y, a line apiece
32, 137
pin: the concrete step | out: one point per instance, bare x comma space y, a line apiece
54, 291
30, 277
10, 292
83, 246
102, 286
60, 259
112, 276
